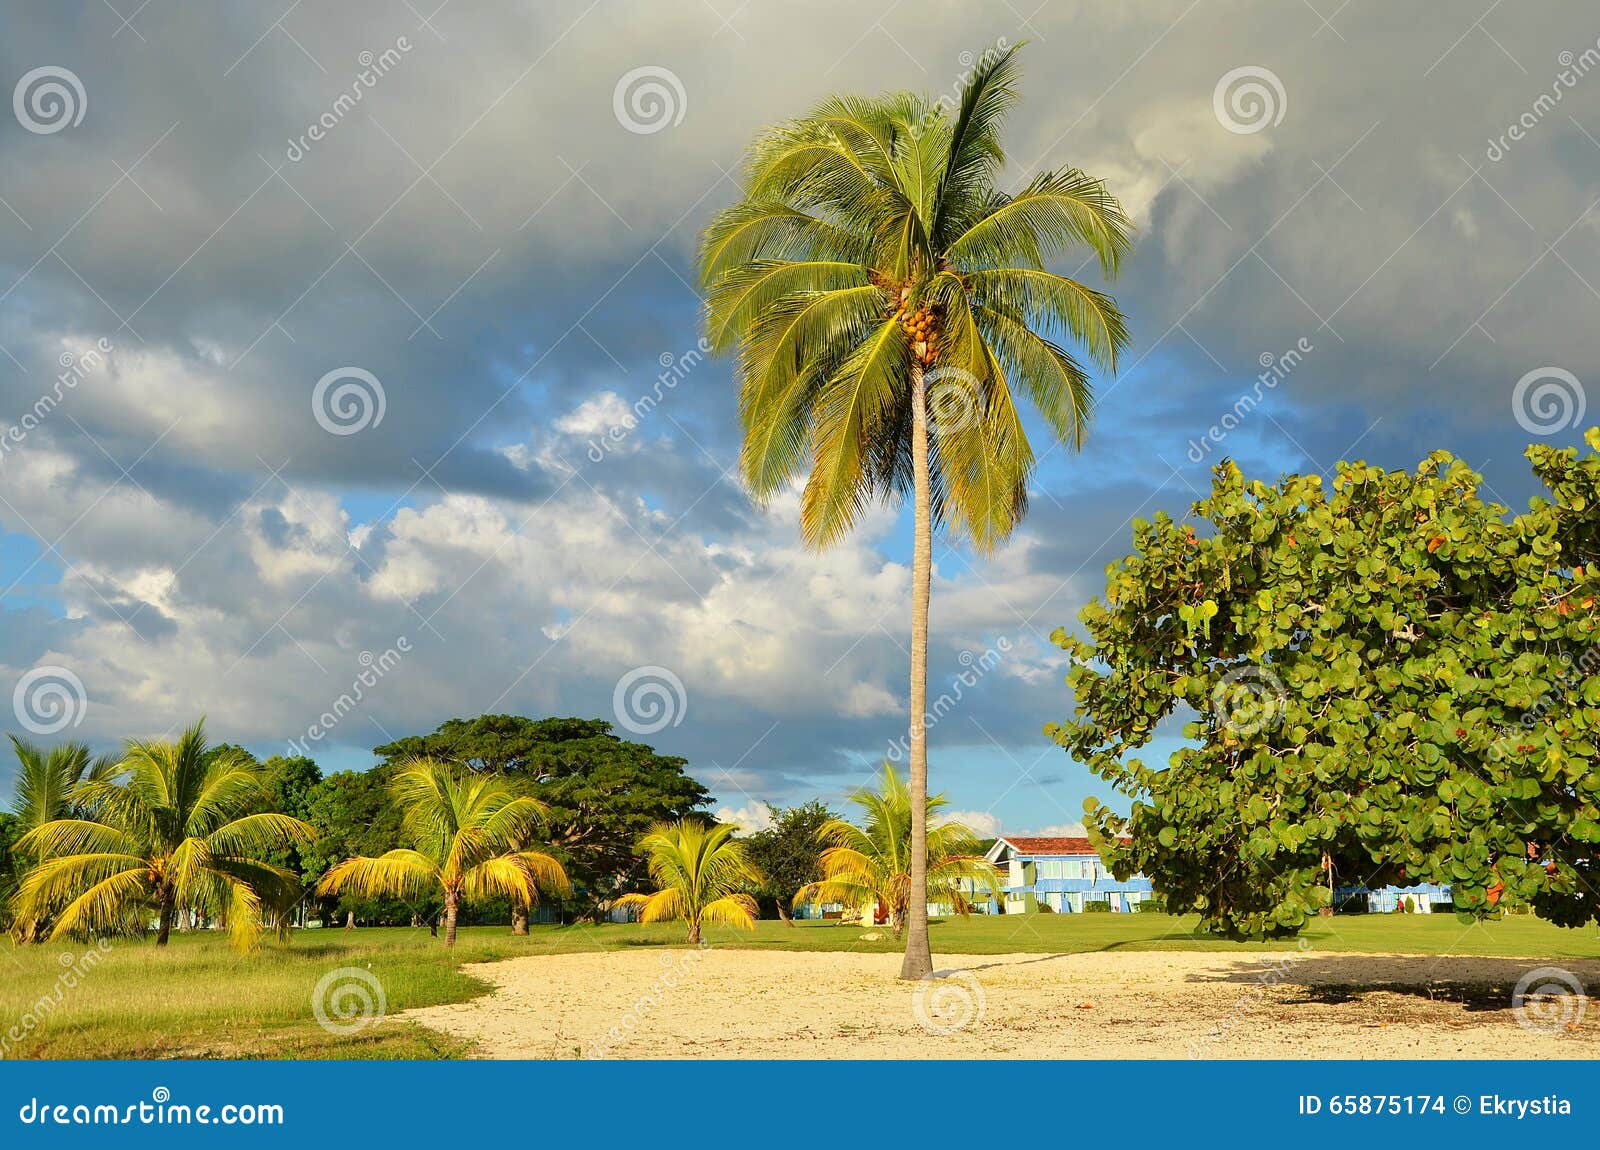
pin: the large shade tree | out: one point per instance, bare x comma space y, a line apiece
176, 828
890, 306
468, 833
601, 792
1386, 680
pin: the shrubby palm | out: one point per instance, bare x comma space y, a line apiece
44, 784
872, 864
465, 829
888, 303
169, 828
702, 874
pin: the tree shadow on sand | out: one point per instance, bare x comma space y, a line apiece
1475, 983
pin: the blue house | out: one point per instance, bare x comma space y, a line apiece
1424, 898
1061, 874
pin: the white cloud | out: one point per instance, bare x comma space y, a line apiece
985, 824
753, 816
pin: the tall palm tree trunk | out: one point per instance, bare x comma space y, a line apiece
919, 959
519, 918
694, 930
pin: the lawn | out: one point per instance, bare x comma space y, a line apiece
198, 999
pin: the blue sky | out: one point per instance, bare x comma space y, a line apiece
494, 236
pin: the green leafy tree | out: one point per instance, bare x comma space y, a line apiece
788, 851
465, 830
11, 866
888, 303
870, 865
1394, 681
701, 874
354, 815
602, 792
179, 829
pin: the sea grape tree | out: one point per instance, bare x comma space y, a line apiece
1392, 681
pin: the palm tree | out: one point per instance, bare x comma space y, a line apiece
44, 784
170, 827
45, 779
463, 826
702, 874
886, 301
873, 865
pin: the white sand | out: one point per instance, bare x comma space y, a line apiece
782, 1004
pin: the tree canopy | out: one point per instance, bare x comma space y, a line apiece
787, 852
1389, 682
602, 792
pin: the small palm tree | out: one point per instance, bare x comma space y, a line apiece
45, 779
702, 874
872, 866
463, 826
44, 785
169, 828
888, 302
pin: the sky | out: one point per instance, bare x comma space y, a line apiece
352, 349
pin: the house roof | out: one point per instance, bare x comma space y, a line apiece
1033, 846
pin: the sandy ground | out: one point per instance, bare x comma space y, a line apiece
779, 1004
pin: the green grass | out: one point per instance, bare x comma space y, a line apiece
198, 999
